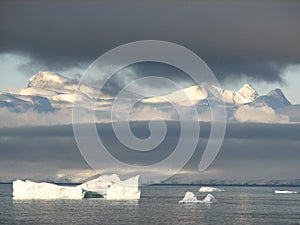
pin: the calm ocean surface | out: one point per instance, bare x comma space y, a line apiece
158, 205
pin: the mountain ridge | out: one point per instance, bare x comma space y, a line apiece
48, 92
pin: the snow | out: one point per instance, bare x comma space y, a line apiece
246, 94
206, 91
285, 192
32, 190
191, 198
36, 91
49, 92
210, 189
100, 184
275, 99
124, 190
51, 81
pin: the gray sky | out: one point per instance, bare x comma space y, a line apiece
245, 41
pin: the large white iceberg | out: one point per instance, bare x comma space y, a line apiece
107, 186
124, 190
100, 184
210, 189
33, 190
191, 198
285, 192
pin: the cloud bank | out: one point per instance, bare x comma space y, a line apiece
46, 153
225, 34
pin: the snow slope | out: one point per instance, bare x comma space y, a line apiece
205, 91
275, 99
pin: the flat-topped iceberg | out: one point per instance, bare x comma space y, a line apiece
124, 190
210, 189
33, 190
191, 198
107, 186
285, 192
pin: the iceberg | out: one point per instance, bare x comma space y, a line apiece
33, 190
210, 189
209, 199
124, 190
100, 184
189, 198
107, 186
285, 192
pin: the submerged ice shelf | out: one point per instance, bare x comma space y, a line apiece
107, 186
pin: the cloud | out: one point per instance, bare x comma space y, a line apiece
33, 118
225, 34
50, 152
262, 114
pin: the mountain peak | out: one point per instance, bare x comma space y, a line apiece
248, 92
247, 88
274, 99
49, 80
278, 94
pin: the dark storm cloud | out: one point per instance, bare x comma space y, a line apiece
242, 157
255, 38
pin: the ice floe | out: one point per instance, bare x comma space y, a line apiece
210, 189
285, 192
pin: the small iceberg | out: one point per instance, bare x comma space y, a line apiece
285, 192
124, 190
210, 189
191, 198
209, 199
33, 190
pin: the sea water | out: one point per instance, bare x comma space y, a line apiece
159, 205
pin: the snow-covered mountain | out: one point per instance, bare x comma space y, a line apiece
274, 99
209, 92
49, 98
